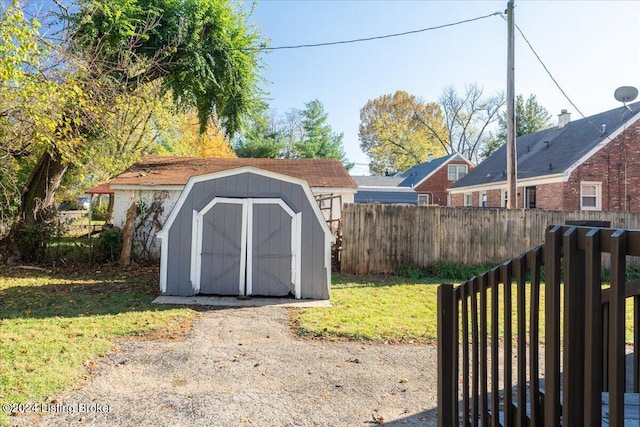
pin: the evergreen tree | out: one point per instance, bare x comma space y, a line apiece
531, 117
259, 141
319, 140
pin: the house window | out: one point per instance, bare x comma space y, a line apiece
530, 197
591, 196
423, 200
483, 197
468, 199
457, 171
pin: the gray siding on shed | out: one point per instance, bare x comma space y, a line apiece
246, 185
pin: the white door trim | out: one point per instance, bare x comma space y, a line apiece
296, 251
197, 231
246, 242
246, 287
296, 242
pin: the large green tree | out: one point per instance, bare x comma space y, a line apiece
393, 132
296, 134
260, 138
318, 139
531, 117
200, 52
27, 104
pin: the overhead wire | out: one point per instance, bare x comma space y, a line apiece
365, 39
422, 30
547, 71
351, 41
553, 79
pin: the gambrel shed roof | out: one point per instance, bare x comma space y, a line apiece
167, 170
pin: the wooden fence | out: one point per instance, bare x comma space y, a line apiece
499, 331
378, 238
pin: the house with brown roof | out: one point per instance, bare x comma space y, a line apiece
157, 181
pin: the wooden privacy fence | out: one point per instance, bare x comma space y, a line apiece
499, 333
378, 238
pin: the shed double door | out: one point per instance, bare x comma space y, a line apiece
248, 247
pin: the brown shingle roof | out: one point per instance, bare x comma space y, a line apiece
164, 170
100, 189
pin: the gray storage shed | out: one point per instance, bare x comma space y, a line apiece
246, 231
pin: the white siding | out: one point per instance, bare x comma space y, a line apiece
123, 199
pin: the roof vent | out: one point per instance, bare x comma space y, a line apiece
550, 166
563, 118
604, 128
430, 158
546, 144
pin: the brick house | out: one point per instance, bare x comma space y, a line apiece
423, 184
588, 164
432, 179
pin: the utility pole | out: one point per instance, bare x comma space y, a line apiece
511, 116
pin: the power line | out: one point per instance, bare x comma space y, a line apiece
365, 39
556, 82
264, 48
548, 72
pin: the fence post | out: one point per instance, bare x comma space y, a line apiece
574, 330
553, 258
617, 328
594, 331
447, 395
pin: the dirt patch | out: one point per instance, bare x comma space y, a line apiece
243, 366
179, 331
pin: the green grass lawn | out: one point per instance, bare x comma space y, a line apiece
53, 325
384, 309
394, 309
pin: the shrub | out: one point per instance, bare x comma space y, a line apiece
410, 271
449, 270
33, 240
109, 245
100, 212
632, 273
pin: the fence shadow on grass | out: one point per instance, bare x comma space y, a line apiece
71, 300
42, 294
77, 293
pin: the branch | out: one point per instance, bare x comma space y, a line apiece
447, 146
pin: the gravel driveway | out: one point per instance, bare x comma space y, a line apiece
242, 366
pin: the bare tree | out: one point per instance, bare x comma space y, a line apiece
293, 132
467, 117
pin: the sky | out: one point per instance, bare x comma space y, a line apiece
590, 48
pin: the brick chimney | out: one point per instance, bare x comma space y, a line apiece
563, 118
